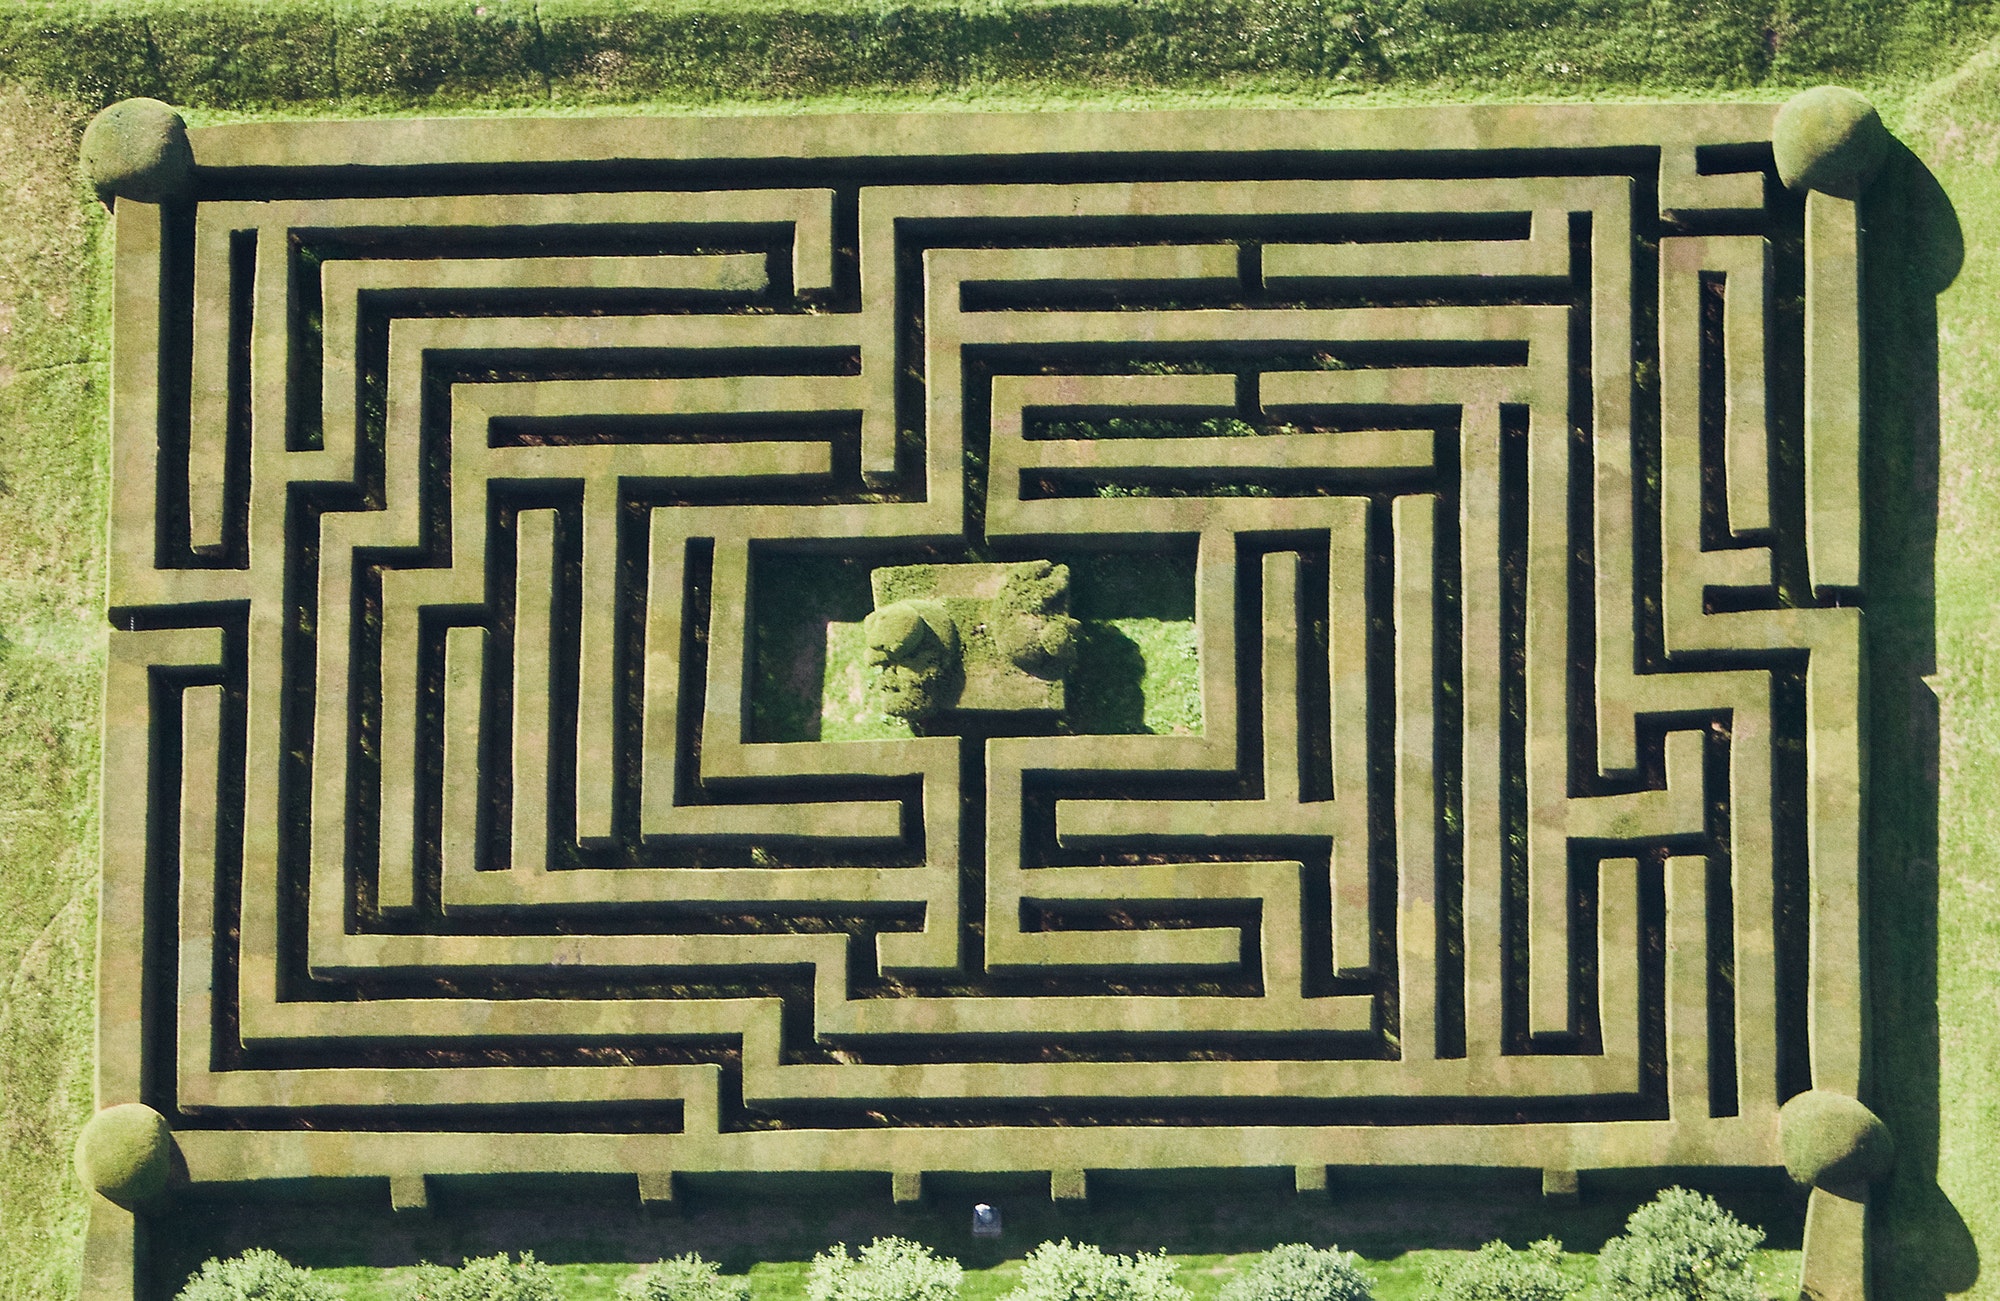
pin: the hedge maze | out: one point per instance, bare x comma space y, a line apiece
1513, 453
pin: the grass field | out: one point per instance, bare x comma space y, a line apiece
1934, 475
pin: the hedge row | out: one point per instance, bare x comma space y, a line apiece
241, 54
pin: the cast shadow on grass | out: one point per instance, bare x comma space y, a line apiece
799, 595
1117, 687
1914, 250
1108, 688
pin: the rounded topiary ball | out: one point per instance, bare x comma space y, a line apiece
912, 651
1829, 1139
124, 1153
138, 149
1829, 138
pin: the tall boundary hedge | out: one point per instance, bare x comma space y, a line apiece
268, 54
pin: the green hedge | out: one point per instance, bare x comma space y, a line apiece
244, 54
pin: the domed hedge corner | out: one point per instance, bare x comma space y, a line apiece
125, 1154
1829, 138
1835, 1146
1829, 1140
138, 149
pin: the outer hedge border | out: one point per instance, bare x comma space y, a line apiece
267, 54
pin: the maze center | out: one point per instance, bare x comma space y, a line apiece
985, 644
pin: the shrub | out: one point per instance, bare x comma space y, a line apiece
1496, 1272
684, 1278
1297, 1272
484, 1278
256, 1275
1062, 1271
890, 1269
1681, 1246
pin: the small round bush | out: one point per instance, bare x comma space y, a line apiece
889, 1269
484, 1278
1063, 1271
125, 1152
256, 1275
1681, 1246
1295, 1271
1497, 1272
684, 1278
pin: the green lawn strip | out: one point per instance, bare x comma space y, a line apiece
1397, 1278
518, 52
52, 494
1935, 1028
1212, 1229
